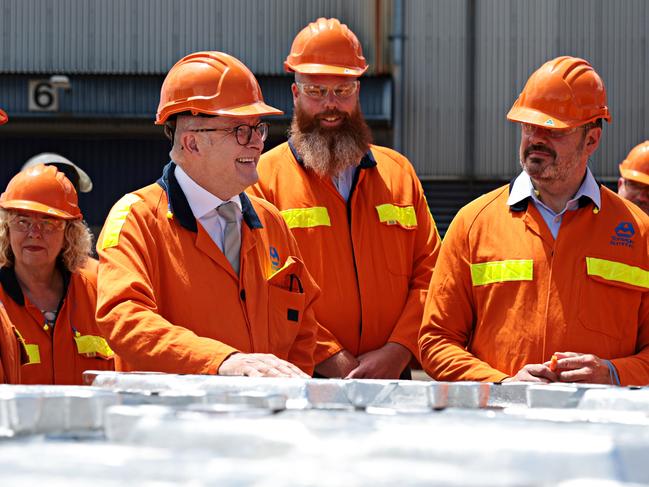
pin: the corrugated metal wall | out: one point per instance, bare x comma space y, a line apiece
512, 39
148, 36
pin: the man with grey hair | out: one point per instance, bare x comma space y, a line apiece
195, 276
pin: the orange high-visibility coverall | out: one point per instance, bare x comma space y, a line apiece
170, 301
10, 350
372, 256
59, 355
505, 293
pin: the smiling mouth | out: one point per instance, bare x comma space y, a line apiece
246, 160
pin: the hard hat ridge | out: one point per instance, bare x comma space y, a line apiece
212, 83
565, 92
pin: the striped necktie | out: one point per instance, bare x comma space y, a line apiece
231, 236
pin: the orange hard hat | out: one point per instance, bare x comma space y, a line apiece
326, 47
42, 189
636, 165
212, 83
3, 117
563, 93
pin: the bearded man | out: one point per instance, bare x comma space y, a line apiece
357, 210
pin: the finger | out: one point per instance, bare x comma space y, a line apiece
574, 363
251, 371
286, 369
541, 371
296, 370
357, 373
567, 354
584, 374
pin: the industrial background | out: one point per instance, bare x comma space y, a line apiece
82, 78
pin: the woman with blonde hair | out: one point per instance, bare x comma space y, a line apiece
49, 292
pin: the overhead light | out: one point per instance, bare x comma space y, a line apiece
60, 81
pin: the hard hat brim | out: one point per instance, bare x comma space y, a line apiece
38, 208
535, 117
85, 183
634, 175
3, 117
541, 119
254, 109
325, 69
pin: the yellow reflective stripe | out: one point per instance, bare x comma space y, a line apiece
318, 216
34, 353
90, 344
403, 215
617, 271
116, 219
501, 271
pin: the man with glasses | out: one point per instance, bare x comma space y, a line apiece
545, 279
634, 176
357, 210
196, 277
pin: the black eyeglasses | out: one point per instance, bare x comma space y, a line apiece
243, 133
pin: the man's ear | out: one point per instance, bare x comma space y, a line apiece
592, 139
189, 144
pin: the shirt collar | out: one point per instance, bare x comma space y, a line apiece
178, 207
522, 188
200, 200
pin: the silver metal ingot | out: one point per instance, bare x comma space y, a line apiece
508, 394
164, 397
470, 395
438, 394
404, 396
617, 398
50, 409
327, 394
558, 395
362, 393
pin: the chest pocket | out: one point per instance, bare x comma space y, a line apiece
286, 302
91, 346
317, 216
397, 226
610, 295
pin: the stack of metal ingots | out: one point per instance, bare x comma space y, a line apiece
159, 429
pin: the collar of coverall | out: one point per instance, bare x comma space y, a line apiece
521, 205
367, 162
11, 286
180, 209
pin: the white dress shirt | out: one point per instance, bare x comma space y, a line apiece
204, 204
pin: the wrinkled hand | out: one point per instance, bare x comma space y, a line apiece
534, 373
338, 365
259, 365
386, 362
581, 367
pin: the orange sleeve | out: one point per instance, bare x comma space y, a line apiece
426, 251
127, 310
634, 370
448, 319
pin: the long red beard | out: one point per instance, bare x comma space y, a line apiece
329, 151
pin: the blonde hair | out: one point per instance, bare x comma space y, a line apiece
77, 243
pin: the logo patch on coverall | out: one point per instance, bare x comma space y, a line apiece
624, 233
274, 258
